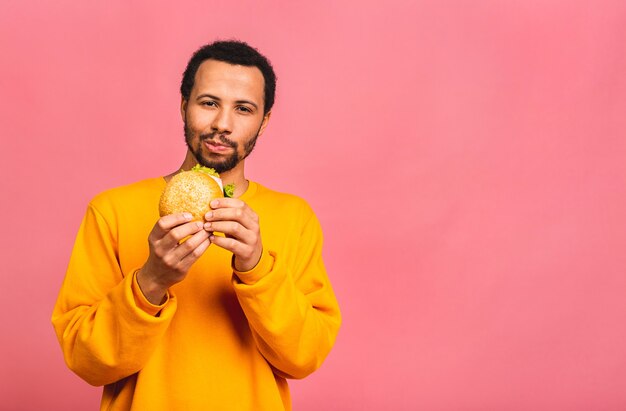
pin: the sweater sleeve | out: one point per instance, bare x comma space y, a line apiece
291, 308
106, 327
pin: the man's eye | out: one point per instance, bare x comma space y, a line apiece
244, 109
209, 103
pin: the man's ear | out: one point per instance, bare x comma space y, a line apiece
266, 119
183, 107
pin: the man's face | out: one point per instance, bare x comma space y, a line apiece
224, 114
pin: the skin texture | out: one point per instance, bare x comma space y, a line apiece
223, 116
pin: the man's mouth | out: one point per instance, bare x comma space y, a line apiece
215, 147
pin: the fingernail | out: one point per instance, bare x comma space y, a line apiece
207, 226
199, 224
208, 215
187, 216
214, 203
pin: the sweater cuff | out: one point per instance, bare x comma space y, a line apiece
263, 267
142, 302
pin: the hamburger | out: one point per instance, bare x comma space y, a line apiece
192, 191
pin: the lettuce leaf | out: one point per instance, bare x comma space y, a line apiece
229, 190
206, 170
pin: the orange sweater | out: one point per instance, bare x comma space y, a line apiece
222, 340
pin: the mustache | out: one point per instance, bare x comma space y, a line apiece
221, 137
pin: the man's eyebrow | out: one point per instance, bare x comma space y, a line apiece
219, 99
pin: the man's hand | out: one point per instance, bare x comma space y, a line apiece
169, 260
240, 224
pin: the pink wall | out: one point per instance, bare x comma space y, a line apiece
467, 161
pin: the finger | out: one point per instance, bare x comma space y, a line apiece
231, 203
232, 229
226, 202
245, 256
228, 243
173, 237
189, 246
242, 214
166, 223
194, 255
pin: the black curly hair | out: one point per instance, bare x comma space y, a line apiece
232, 52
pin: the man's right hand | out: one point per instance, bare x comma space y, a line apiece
169, 261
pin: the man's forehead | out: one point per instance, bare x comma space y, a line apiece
236, 78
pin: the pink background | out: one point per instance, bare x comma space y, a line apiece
467, 160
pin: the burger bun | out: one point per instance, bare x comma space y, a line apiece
189, 192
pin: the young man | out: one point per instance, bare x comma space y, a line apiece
215, 322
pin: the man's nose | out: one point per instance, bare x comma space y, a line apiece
222, 122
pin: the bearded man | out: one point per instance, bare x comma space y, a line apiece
213, 322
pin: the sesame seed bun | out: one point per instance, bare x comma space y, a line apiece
191, 192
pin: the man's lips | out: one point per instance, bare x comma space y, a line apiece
214, 147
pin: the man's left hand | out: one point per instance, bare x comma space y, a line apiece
240, 224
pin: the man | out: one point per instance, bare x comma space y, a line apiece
214, 322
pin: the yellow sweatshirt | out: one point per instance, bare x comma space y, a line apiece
222, 340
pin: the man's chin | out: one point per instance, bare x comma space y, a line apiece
219, 162
219, 166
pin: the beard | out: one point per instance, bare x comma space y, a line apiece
218, 163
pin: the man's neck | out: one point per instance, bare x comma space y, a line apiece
236, 176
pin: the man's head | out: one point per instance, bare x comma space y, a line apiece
235, 53
227, 94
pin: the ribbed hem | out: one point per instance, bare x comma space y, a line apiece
263, 267
142, 302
